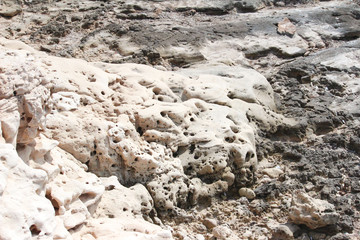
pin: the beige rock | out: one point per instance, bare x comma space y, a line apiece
210, 223
126, 228
223, 232
282, 232
25, 211
273, 172
121, 202
247, 192
286, 27
10, 120
68, 118
314, 213
9, 8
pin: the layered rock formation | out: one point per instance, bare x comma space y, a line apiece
179, 119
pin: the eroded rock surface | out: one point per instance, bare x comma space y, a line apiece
241, 123
314, 213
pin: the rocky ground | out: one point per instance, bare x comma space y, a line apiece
244, 125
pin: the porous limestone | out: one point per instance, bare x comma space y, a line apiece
47, 193
174, 138
314, 213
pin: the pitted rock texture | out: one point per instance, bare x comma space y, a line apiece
243, 107
47, 193
142, 125
314, 213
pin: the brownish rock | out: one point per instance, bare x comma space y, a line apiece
286, 27
9, 9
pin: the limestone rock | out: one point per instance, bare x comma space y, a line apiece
57, 194
162, 129
224, 232
314, 213
209, 7
282, 232
121, 202
110, 149
210, 223
246, 192
249, 5
286, 27
127, 228
273, 172
25, 211
9, 8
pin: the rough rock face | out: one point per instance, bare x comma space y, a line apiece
166, 131
314, 213
179, 119
46, 193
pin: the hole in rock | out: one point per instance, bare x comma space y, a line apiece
231, 95
248, 156
229, 139
34, 230
189, 169
180, 151
234, 129
110, 187
192, 148
102, 92
156, 91
53, 202
197, 155
86, 196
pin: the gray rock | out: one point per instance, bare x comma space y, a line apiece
282, 232
9, 9
249, 5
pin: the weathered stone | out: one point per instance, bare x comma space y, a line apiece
273, 172
9, 8
282, 232
210, 223
314, 213
249, 5
286, 27
247, 192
